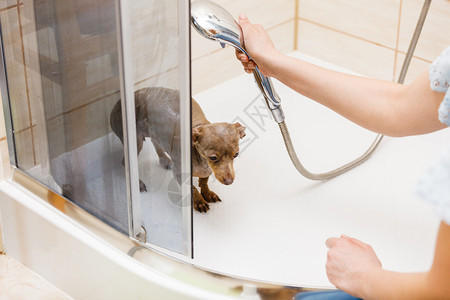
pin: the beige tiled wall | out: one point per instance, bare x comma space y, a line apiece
372, 37
25, 89
9, 16
368, 37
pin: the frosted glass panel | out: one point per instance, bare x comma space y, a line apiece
156, 68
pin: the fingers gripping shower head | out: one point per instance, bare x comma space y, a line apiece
214, 22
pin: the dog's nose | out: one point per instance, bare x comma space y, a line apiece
228, 181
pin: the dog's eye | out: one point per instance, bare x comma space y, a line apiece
236, 155
213, 158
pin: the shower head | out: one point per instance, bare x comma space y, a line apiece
213, 22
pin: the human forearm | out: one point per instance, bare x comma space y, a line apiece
386, 285
380, 106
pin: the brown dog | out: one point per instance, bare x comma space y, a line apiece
214, 145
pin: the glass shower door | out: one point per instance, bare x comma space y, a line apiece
157, 68
72, 68
62, 68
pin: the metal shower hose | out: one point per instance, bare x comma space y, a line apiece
331, 174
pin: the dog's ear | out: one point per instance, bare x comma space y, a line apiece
196, 134
240, 129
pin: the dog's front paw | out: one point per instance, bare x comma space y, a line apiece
210, 197
142, 186
67, 191
201, 205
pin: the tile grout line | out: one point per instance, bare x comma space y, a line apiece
153, 76
85, 105
347, 34
296, 14
361, 39
8, 7
397, 40
23, 130
26, 81
105, 96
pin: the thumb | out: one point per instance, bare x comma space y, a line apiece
330, 242
244, 21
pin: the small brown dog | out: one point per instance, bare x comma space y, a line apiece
214, 145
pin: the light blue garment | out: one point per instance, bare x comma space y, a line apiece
439, 72
325, 295
434, 186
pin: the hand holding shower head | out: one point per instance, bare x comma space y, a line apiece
215, 23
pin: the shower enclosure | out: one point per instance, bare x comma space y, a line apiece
65, 64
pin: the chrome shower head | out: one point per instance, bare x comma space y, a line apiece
213, 22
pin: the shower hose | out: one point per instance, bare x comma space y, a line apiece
331, 174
